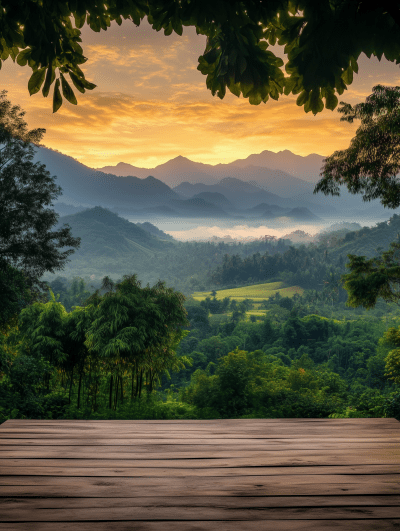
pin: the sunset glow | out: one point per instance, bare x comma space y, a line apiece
151, 104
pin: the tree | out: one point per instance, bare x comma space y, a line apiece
28, 245
14, 292
378, 277
322, 38
370, 165
391, 338
137, 329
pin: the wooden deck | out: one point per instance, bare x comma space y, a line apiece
227, 475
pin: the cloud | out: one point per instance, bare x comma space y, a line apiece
152, 104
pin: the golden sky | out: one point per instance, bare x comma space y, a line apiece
151, 104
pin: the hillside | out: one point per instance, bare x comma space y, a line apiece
155, 231
369, 240
114, 246
84, 186
104, 233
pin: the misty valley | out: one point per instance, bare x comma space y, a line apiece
204, 292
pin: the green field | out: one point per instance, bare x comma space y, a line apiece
256, 292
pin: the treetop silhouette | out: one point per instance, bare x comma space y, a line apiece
323, 40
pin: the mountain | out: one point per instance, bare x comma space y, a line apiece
216, 199
240, 194
307, 168
341, 226
284, 174
155, 231
244, 187
65, 210
181, 169
299, 236
262, 207
87, 187
104, 233
368, 241
302, 214
197, 207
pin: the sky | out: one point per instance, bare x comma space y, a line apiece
151, 104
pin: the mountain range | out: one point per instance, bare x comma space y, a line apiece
259, 167
181, 187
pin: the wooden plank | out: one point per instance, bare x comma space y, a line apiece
268, 457
124, 471
256, 525
39, 438
207, 422
132, 514
228, 502
268, 461
229, 474
199, 483
107, 490
239, 424
243, 462
208, 444
193, 437
202, 438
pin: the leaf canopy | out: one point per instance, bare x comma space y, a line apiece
371, 164
323, 40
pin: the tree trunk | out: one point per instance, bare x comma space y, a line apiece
79, 389
116, 392
70, 385
122, 390
88, 386
133, 377
110, 398
137, 383
95, 394
140, 383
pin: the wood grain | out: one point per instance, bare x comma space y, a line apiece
230, 475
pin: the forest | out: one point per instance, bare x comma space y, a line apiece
133, 347
78, 356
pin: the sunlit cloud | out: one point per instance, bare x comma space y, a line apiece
151, 104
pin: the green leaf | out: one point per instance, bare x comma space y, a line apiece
57, 98
316, 104
36, 80
242, 64
331, 100
235, 89
67, 91
303, 97
23, 57
86, 84
177, 26
14, 52
80, 19
354, 64
290, 83
347, 76
211, 56
77, 82
255, 98
50, 76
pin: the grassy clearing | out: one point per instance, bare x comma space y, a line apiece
256, 292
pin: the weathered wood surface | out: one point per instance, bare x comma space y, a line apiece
230, 475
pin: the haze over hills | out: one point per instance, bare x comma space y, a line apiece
180, 169
306, 168
284, 173
242, 186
